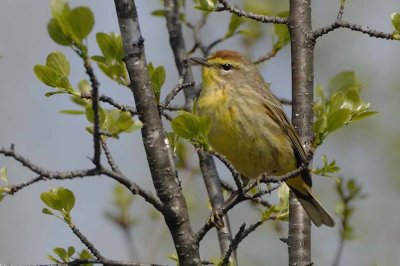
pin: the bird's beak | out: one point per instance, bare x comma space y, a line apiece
199, 61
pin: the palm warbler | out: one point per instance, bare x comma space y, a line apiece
250, 128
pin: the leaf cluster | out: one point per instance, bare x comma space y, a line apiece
328, 169
192, 127
66, 255
341, 107
61, 200
348, 191
157, 77
69, 27
55, 73
111, 62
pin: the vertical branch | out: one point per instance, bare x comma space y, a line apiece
158, 153
177, 43
214, 190
302, 48
207, 165
95, 108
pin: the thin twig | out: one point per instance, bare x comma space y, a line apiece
234, 172
266, 57
86, 242
112, 102
255, 200
341, 10
242, 234
172, 94
95, 107
235, 199
279, 179
45, 174
257, 17
110, 159
354, 27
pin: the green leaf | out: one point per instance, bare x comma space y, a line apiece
3, 174
71, 251
59, 8
81, 21
51, 93
363, 115
50, 257
99, 59
395, 17
46, 75
62, 254
56, 33
55, 72
204, 125
60, 199
338, 119
157, 76
185, 125
207, 5
137, 124
90, 115
110, 45
234, 24
85, 255
266, 214
172, 140
72, 112
343, 81
58, 62
47, 211
84, 86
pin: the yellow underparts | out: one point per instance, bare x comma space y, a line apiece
243, 132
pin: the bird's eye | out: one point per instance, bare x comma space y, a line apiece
227, 67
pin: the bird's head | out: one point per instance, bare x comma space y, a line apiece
225, 67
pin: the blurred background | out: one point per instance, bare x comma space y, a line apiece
367, 150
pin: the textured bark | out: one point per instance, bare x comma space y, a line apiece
302, 48
207, 165
158, 153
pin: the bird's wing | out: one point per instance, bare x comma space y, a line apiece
274, 110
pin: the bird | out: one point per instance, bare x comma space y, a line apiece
250, 128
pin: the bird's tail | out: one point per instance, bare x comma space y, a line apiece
311, 205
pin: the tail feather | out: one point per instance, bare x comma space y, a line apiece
312, 206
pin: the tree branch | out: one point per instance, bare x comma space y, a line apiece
213, 185
158, 153
95, 108
45, 174
86, 242
210, 174
354, 27
302, 49
257, 17
99, 258
241, 234
110, 159
339, 23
